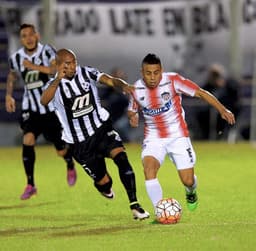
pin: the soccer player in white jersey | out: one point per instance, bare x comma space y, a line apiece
34, 62
87, 125
158, 95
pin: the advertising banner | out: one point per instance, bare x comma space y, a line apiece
187, 35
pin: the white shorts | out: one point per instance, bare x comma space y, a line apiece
179, 150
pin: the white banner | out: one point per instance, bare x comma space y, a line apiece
187, 35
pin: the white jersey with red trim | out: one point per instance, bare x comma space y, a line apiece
161, 107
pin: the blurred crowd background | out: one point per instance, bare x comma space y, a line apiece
211, 42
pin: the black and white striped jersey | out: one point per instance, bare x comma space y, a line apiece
34, 81
78, 105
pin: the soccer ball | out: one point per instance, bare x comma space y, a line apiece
168, 211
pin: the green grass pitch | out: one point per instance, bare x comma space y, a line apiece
60, 218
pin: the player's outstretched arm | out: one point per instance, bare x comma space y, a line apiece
213, 101
116, 83
9, 100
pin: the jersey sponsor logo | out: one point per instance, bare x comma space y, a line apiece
82, 106
35, 85
157, 111
32, 76
32, 80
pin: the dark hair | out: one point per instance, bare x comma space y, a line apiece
26, 25
151, 59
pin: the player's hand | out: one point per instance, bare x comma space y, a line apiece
10, 105
134, 120
27, 64
128, 89
228, 116
61, 71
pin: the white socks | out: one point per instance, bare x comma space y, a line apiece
154, 190
191, 189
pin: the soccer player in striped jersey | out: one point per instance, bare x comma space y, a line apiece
158, 96
87, 125
34, 63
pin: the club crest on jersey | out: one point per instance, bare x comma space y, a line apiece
85, 86
165, 96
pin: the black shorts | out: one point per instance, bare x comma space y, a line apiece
91, 153
46, 124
